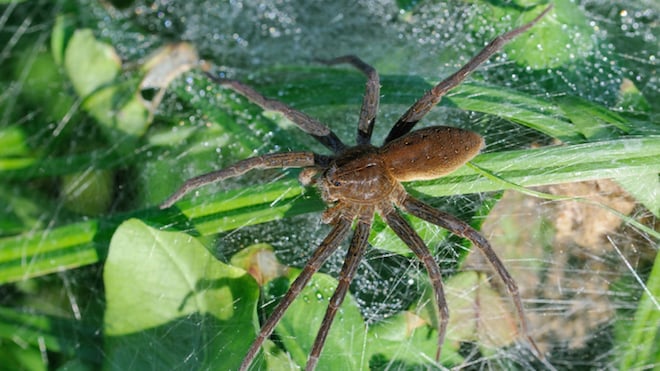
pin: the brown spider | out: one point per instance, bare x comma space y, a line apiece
360, 180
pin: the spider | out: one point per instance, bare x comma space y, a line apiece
361, 180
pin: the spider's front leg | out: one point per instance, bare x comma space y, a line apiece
371, 95
309, 125
270, 161
418, 110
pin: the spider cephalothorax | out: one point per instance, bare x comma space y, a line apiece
362, 180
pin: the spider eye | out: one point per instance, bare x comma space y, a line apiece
337, 183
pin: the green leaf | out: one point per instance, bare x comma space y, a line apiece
12, 141
60, 36
93, 68
406, 337
522, 109
45, 251
645, 188
642, 345
121, 114
54, 333
384, 237
89, 63
44, 86
165, 287
20, 211
553, 164
592, 121
562, 36
21, 358
89, 192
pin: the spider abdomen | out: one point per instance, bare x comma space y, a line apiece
430, 153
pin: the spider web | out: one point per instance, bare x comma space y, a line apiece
582, 269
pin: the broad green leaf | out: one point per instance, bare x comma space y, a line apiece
93, 68
89, 63
166, 288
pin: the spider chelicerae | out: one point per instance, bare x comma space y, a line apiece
360, 180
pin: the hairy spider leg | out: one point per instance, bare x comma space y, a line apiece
462, 229
408, 235
371, 96
418, 110
270, 161
308, 124
353, 257
329, 245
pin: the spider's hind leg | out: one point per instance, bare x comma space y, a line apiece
408, 235
329, 245
371, 95
462, 229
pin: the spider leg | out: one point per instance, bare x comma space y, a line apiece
418, 110
322, 253
309, 125
274, 160
462, 229
408, 235
371, 95
353, 257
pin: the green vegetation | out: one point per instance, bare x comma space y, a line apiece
93, 274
